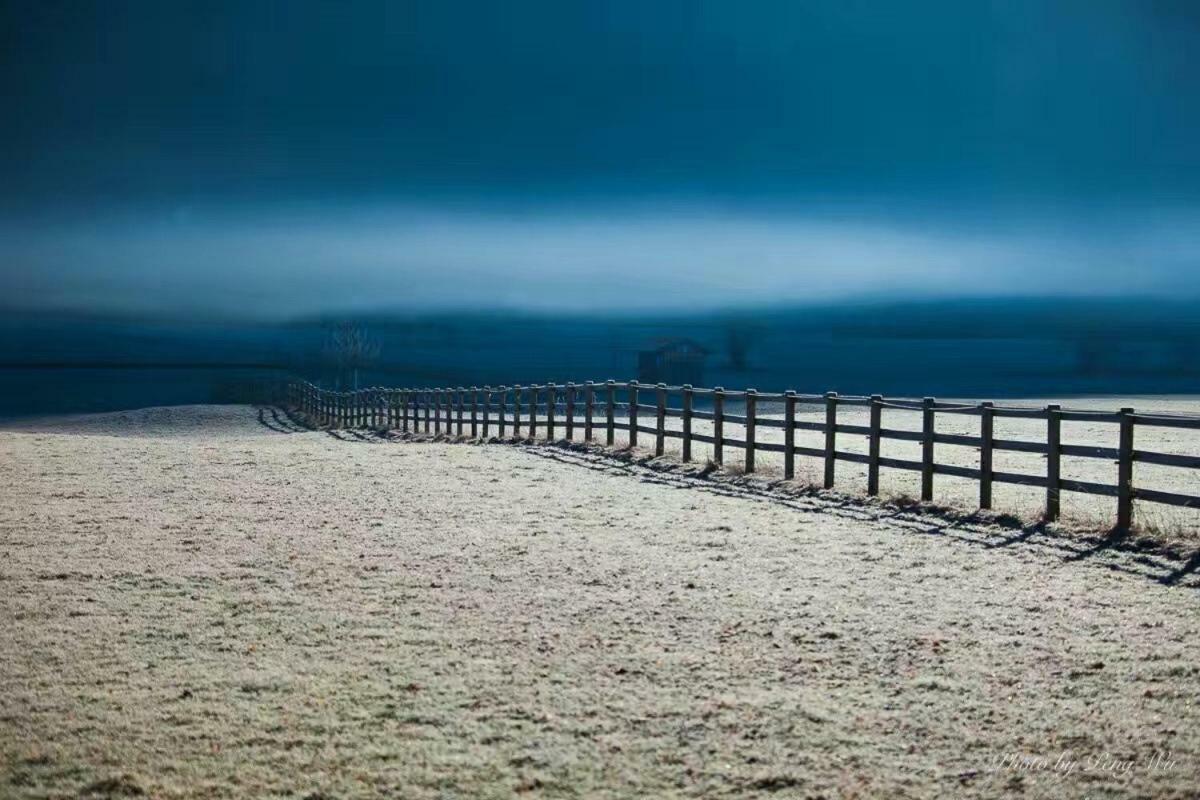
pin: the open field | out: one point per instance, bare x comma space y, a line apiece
199, 602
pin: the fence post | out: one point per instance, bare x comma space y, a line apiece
570, 411
487, 407
454, 411
687, 422
426, 402
751, 411
503, 419
660, 428
533, 409
633, 413
789, 434
534, 391
516, 412
1125, 472
551, 402
531, 418
927, 448
987, 424
1053, 460
873, 445
589, 402
474, 412
719, 425
610, 422
830, 438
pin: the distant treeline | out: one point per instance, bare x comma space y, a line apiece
972, 347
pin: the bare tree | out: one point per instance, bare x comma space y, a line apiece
350, 348
739, 335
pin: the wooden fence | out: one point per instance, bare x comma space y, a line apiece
589, 411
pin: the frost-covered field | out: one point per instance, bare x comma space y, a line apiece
200, 604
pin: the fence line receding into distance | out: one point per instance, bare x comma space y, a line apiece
588, 411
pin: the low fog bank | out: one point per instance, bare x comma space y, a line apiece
276, 263
971, 347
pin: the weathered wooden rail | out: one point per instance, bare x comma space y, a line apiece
589, 410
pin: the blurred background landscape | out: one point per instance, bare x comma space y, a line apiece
984, 348
986, 199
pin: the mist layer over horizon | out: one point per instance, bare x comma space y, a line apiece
301, 262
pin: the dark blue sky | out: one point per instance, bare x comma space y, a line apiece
291, 156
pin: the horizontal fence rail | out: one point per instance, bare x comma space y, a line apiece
596, 411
